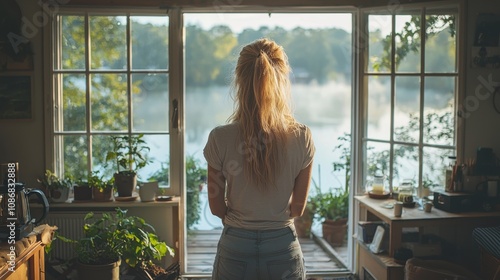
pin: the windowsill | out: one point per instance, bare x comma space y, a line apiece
70, 204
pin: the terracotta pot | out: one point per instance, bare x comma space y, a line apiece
303, 224
99, 272
335, 231
104, 196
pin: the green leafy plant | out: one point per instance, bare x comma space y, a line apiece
334, 204
196, 175
331, 205
99, 182
51, 181
129, 153
111, 237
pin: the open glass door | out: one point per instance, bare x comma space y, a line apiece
318, 46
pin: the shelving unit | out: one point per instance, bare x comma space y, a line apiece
383, 266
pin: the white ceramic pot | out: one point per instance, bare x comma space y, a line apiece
59, 195
147, 191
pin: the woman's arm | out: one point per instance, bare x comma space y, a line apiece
216, 192
300, 191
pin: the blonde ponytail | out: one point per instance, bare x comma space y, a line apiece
262, 110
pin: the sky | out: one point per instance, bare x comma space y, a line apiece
240, 21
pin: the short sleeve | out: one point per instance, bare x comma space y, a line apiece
212, 153
310, 149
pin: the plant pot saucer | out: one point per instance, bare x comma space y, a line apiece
126, 198
163, 198
98, 200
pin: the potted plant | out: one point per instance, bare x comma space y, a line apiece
102, 189
304, 223
128, 155
56, 189
112, 238
82, 191
332, 210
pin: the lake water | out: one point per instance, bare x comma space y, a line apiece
326, 109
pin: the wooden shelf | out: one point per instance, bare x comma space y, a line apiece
382, 266
379, 266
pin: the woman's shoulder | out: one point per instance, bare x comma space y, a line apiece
225, 129
302, 129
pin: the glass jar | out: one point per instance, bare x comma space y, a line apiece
378, 184
407, 187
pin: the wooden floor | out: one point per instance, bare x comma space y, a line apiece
320, 258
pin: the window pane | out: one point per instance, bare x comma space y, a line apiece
150, 102
72, 103
72, 43
109, 109
379, 43
75, 154
405, 163
101, 144
149, 34
377, 159
440, 44
435, 162
108, 42
407, 43
158, 167
439, 119
407, 109
379, 108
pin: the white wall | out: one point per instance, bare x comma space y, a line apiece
23, 141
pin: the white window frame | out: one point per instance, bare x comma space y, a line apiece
54, 155
361, 119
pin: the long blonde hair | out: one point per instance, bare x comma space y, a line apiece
262, 87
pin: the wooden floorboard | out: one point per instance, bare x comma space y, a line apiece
202, 246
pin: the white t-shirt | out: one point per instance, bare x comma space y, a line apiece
249, 207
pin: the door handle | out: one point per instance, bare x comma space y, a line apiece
175, 114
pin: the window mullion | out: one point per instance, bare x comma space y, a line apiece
423, 32
129, 77
393, 92
88, 118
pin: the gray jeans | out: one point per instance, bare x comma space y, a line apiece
258, 255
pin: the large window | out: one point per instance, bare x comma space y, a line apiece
111, 77
410, 81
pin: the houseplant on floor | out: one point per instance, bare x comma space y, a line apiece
112, 238
304, 223
55, 188
333, 209
129, 154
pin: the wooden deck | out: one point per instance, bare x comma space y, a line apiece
320, 258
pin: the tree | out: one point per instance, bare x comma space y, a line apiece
409, 38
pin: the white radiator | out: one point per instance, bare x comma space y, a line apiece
70, 225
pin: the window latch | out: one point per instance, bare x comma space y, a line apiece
175, 114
